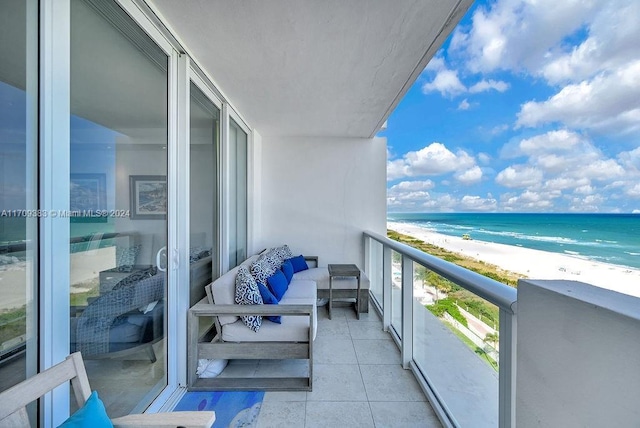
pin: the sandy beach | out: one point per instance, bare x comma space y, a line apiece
534, 264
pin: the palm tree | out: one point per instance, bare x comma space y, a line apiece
492, 339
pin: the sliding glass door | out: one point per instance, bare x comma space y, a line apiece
118, 205
237, 149
204, 148
18, 192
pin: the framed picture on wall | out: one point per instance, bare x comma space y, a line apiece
148, 197
88, 198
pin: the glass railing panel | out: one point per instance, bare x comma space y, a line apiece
396, 292
376, 274
455, 346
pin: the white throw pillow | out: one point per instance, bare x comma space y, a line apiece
210, 368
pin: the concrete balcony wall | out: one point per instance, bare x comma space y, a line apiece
318, 194
578, 354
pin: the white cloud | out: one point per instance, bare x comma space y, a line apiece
484, 158
519, 176
552, 141
588, 48
634, 191
512, 34
412, 185
446, 82
472, 175
434, 159
529, 201
487, 85
630, 159
476, 203
464, 105
612, 41
589, 203
587, 189
610, 102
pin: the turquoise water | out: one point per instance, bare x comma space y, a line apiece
609, 238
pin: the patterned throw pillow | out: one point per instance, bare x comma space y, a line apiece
273, 258
247, 293
283, 253
126, 257
261, 269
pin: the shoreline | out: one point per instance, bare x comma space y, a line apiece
530, 263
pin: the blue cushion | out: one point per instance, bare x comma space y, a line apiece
299, 263
269, 299
278, 284
91, 415
287, 269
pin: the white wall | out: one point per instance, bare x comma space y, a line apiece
133, 158
578, 356
319, 194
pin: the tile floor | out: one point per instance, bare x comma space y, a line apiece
358, 381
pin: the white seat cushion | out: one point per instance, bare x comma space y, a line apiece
301, 289
292, 329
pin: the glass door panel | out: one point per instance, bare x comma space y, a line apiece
237, 194
18, 192
118, 205
203, 218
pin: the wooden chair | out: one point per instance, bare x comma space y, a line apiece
14, 400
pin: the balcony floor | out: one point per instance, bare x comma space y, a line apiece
358, 381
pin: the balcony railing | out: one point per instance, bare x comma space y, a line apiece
466, 383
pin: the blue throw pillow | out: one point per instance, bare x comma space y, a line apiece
278, 284
269, 299
91, 415
287, 269
299, 263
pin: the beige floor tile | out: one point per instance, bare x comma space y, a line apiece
282, 414
402, 414
390, 383
334, 414
337, 382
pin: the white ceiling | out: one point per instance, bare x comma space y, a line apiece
312, 67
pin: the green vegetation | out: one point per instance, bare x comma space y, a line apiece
449, 306
475, 305
480, 267
13, 323
478, 350
81, 298
450, 296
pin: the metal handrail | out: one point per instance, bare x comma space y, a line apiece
491, 290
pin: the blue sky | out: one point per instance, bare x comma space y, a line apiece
530, 106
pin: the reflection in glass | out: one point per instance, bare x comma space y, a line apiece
396, 292
237, 194
18, 192
455, 343
118, 131
203, 220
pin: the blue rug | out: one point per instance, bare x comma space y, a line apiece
233, 409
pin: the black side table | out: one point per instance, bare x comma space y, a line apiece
341, 271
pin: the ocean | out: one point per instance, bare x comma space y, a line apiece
608, 238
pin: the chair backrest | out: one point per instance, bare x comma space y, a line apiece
14, 400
